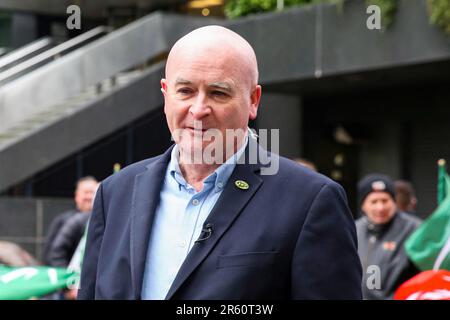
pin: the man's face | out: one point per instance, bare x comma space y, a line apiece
84, 195
209, 89
379, 207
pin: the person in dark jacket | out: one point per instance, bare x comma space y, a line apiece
67, 240
84, 195
382, 231
53, 230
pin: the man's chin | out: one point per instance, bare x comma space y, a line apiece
381, 220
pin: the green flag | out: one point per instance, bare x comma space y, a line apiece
428, 247
18, 283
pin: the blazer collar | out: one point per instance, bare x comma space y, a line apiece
147, 186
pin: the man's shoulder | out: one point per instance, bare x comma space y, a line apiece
300, 179
78, 218
62, 217
408, 220
303, 174
361, 221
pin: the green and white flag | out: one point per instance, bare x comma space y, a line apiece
429, 246
19, 283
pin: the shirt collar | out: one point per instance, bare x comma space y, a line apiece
218, 178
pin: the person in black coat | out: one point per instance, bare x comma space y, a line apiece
84, 195
67, 239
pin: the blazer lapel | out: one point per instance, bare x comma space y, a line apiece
147, 187
227, 208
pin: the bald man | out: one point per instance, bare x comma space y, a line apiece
206, 220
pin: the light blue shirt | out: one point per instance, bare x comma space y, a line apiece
178, 222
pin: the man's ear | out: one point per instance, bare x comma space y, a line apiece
255, 97
164, 86
414, 203
164, 91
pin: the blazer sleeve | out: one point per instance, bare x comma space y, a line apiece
325, 263
94, 240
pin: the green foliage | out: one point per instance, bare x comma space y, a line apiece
388, 9
326, 1
439, 10
240, 8
440, 13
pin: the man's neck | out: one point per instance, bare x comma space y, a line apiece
195, 174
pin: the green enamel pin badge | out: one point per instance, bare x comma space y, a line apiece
241, 184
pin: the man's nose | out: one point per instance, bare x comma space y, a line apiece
379, 206
200, 107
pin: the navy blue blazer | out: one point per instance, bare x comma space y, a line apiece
288, 236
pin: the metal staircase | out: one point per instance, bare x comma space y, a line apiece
58, 101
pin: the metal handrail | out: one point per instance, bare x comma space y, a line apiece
50, 54
75, 72
15, 56
3, 51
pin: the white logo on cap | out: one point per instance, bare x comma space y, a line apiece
378, 186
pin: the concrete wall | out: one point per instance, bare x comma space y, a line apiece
383, 152
322, 40
23, 29
283, 112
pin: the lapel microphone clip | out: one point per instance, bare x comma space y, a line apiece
206, 233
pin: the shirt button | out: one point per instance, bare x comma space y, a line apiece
195, 202
219, 185
182, 244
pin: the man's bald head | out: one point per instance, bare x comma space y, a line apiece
214, 42
212, 80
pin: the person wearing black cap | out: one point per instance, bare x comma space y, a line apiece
382, 231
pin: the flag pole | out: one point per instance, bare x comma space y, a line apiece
441, 195
442, 255
441, 189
